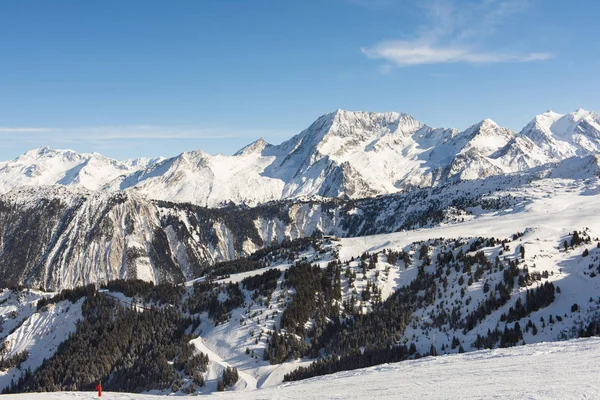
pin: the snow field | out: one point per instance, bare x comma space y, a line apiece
545, 371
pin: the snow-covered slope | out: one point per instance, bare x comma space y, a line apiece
40, 335
540, 226
544, 215
37, 332
563, 370
342, 154
200, 178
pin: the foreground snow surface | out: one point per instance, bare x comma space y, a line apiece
560, 370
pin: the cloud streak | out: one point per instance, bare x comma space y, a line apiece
6, 129
405, 53
455, 35
126, 132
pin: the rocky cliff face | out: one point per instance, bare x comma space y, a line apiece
56, 238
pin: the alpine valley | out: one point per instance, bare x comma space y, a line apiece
368, 238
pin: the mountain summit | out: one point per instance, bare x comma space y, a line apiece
565, 135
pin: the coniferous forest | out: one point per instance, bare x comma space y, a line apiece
123, 348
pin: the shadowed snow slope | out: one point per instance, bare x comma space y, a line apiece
562, 370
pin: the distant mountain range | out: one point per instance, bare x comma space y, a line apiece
341, 155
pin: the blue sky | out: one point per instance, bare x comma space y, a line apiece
148, 78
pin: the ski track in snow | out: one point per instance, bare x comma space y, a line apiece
251, 382
560, 370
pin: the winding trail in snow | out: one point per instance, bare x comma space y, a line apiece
251, 382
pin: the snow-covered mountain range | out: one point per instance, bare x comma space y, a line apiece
46, 166
342, 154
432, 239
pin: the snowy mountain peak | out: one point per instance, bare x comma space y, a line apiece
564, 135
551, 113
488, 123
568, 123
253, 148
197, 153
353, 121
546, 119
40, 151
581, 113
143, 162
485, 128
47, 152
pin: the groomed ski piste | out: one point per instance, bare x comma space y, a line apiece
560, 370
550, 211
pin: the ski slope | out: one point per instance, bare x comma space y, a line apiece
556, 207
560, 370
246, 382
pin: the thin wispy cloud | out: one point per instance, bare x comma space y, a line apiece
405, 53
125, 132
455, 32
7, 129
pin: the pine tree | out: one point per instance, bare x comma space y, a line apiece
412, 349
432, 350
